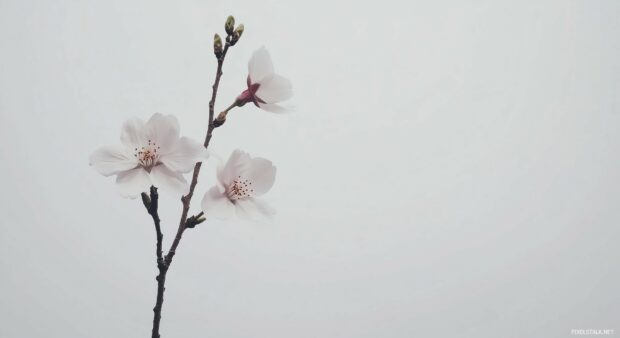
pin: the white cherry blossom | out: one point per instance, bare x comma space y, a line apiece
151, 153
241, 181
265, 87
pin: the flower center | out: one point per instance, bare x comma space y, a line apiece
147, 156
239, 188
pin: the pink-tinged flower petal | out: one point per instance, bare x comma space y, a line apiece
167, 179
253, 209
112, 160
273, 108
163, 130
275, 89
260, 65
261, 173
216, 204
133, 182
184, 155
237, 163
132, 134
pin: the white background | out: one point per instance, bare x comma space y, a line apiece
451, 169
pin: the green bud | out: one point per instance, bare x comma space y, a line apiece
217, 46
221, 118
236, 34
239, 30
230, 25
194, 220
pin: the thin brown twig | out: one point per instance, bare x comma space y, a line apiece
154, 213
163, 263
151, 203
187, 198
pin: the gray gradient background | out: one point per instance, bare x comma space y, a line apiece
451, 169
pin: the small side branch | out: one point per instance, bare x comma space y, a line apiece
151, 203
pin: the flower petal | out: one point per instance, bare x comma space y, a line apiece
184, 155
163, 130
132, 134
262, 174
260, 65
112, 160
167, 179
275, 89
273, 108
133, 182
237, 164
216, 204
253, 209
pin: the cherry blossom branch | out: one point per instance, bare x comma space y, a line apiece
185, 222
150, 164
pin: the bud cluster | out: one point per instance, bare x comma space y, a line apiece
232, 36
233, 33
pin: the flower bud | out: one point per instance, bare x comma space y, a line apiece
230, 25
146, 200
236, 34
195, 220
221, 118
217, 46
239, 29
